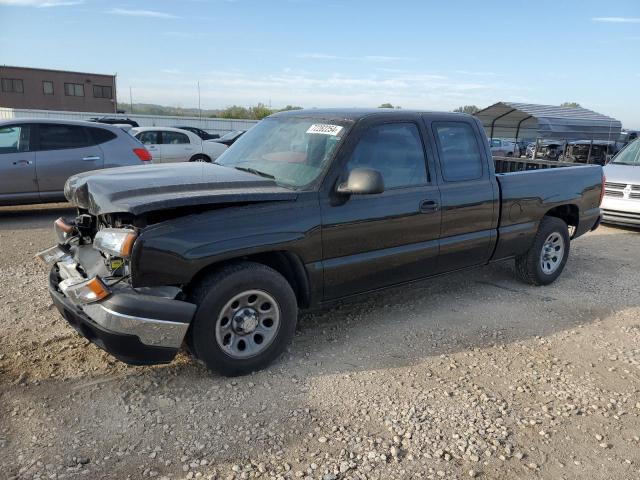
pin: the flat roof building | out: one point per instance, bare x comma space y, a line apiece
41, 89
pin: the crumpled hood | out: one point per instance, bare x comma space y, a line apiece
146, 188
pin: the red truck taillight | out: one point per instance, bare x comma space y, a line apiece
143, 154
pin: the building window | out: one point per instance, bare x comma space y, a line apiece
12, 85
101, 92
74, 89
47, 87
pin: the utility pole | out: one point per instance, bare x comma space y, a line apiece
199, 109
131, 98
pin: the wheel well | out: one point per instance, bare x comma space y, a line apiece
287, 264
200, 155
569, 213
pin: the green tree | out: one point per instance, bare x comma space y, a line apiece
235, 111
260, 111
570, 104
386, 105
470, 109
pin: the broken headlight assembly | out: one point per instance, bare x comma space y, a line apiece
115, 241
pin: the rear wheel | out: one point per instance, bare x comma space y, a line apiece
246, 317
546, 258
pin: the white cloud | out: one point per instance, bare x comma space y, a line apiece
41, 3
365, 58
141, 13
617, 19
410, 90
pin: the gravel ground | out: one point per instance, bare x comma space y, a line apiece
470, 375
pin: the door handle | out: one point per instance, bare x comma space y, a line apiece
22, 162
429, 206
93, 158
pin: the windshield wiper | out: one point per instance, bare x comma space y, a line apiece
256, 172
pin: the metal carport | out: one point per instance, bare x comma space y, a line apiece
529, 121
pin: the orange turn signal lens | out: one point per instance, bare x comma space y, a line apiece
98, 288
127, 245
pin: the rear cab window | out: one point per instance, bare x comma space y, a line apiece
460, 155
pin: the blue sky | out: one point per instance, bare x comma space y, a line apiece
319, 53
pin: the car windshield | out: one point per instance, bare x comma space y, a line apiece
230, 135
630, 155
294, 151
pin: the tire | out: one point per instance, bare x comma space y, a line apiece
234, 335
552, 236
200, 158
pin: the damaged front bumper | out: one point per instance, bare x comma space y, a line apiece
136, 326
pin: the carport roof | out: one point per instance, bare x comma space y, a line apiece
526, 120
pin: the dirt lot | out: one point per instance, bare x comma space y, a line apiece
471, 375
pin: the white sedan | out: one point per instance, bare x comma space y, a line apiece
167, 144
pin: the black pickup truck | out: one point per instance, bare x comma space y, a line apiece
308, 207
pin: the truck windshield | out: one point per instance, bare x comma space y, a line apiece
294, 151
630, 155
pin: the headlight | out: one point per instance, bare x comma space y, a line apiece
115, 241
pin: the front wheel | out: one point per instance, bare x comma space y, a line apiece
246, 317
546, 258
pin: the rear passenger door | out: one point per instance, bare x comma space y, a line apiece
469, 194
62, 151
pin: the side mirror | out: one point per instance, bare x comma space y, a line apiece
362, 181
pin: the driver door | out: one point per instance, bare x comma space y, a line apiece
377, 240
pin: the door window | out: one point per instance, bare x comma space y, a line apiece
460, 155
149, 137
174, 138
14, 139
58, 137
395, 150
495, 143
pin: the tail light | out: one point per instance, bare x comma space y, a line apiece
604, 180
143, 154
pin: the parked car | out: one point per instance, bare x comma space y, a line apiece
168, 144
621, 203
309, 208
37, 156
198, 131
504, 148
547, 150
601, 151
229, 139
115, 120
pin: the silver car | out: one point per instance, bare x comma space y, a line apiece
37, 156
504, 148
621, 202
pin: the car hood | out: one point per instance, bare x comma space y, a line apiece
146, 188
627, 174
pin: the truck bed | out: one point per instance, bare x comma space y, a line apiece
529, 189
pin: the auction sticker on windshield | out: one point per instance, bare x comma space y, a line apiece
325, 129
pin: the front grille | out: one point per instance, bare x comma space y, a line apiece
635, 196
635, 188
618, 215
613, 193
620, 186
